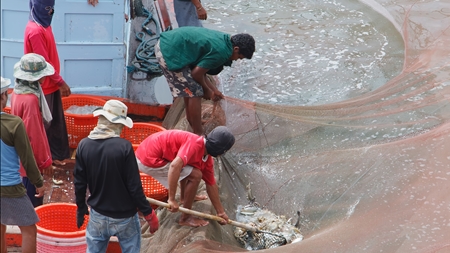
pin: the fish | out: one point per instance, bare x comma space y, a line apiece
276, 229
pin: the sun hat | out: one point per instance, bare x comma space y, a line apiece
116, 112
219, 141
5, 84
32, 67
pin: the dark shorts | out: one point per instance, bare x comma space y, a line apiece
180, 82
17, 211
31, 191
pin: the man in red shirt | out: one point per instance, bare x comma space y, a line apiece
39, 39
174, 156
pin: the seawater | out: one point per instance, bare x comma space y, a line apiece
307, 52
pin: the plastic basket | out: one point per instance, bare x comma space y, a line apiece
139, 132
79, 126
153, 189
57, 229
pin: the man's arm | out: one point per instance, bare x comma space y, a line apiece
25, 152
213, 193
38, 45
174, 175
201, 12
80, 180
210, 91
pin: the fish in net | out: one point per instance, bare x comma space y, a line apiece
271, 230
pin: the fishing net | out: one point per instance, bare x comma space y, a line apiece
263, 240
367, 166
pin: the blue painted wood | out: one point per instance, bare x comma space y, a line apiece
90, 41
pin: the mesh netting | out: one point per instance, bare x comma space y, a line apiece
368, 171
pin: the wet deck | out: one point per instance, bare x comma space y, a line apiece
63, 192
59, 187
59, 184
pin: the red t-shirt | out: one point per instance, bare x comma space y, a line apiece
26, 106
160, 148
40, 40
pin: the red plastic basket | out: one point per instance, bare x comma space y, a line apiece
57, 229
139, 132
153, 189
79, 126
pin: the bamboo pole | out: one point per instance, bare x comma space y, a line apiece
204, 215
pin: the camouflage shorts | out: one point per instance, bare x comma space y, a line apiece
180, 82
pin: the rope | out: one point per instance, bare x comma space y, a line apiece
145, 60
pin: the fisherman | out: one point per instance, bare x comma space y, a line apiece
15, 206
186, 54
107, 165
174, 156
39, 39
28, 102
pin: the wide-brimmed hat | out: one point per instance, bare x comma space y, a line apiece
32, 67
5, 84
116, 112
219, 141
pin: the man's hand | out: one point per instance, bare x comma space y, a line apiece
173, 205
39, 192
48, 171
65, 90
201, 13
223, 216
217, 95
80, 215
93, 2
152, 221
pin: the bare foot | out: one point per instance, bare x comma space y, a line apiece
200, 197
192, 221
197, 198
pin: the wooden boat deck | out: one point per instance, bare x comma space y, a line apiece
58, 184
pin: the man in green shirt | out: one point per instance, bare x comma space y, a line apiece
187, 54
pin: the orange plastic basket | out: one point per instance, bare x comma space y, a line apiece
153, 189
139, 132
79, 126
57, 229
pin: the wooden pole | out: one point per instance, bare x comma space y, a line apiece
204, 215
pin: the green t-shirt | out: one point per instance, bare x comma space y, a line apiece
195, 46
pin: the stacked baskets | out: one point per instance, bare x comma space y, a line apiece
140, 131
79, 126
57, 229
